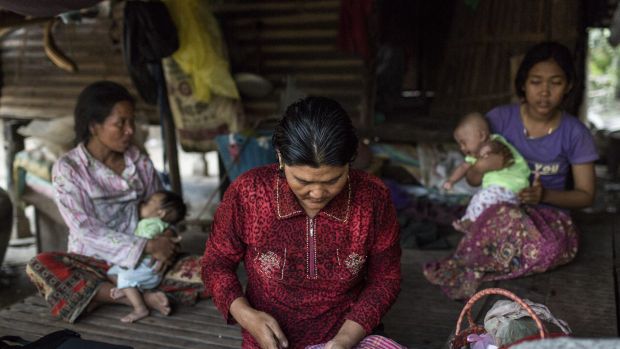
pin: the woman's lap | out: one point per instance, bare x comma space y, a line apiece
506, 241
68, 281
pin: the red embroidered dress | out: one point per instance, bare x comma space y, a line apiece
309, 274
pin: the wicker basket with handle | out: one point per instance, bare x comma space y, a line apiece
460, 337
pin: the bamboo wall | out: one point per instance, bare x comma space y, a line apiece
273, 38
476, 72
276, 38
33, 87
297, 38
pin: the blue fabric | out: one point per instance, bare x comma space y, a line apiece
142, 277
253, 151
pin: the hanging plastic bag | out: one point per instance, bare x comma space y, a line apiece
201, 53
507, 321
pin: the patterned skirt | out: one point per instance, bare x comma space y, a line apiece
69, 281
506, 241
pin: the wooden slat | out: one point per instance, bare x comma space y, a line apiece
305, 34
281, 38
176, 331
34, 88
316, 63
421, 317
295, 20
275, 6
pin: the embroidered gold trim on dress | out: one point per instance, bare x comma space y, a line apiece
278, 201
342, 220
346, 215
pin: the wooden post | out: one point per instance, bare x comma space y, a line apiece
170, 138
13, 143
367, 113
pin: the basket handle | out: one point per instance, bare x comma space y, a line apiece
500, 291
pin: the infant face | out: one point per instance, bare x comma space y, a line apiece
151, 207
470, 140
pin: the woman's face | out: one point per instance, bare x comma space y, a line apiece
545, 88
116, 131
315, 187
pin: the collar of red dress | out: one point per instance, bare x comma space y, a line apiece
287, 205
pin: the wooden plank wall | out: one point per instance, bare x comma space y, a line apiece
273, 38
33, 87
291, 38
476, 74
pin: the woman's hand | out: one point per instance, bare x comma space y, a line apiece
163, 250
266, 330
349, 335
262, 326
533, 194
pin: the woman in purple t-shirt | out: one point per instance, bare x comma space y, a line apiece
509, 241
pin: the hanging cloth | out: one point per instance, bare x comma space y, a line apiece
353, 32
201, 53
149, 35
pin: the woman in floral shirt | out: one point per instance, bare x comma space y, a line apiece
318, 239
99, 186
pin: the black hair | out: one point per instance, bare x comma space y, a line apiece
315, 131
94, 105
541, 52
172, 202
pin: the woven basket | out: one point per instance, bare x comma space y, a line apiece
460, 338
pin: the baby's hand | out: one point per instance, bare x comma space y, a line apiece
447, 185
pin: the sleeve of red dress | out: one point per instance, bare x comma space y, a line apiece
224, 250
383, 273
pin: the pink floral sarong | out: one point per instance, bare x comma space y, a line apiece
507, 241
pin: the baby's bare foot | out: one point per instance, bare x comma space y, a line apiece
115, 293
461, 225
135, 315
158, 301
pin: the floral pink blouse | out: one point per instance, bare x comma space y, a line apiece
101, 207
310, 274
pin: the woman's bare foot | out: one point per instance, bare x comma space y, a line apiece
135, 315
157, 300
116, 293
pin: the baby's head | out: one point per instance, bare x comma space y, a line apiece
166, 205
471, 133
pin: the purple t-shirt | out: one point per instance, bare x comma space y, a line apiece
551, 155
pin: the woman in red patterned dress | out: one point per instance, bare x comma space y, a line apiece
318, 239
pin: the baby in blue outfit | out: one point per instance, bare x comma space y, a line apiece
162, 209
